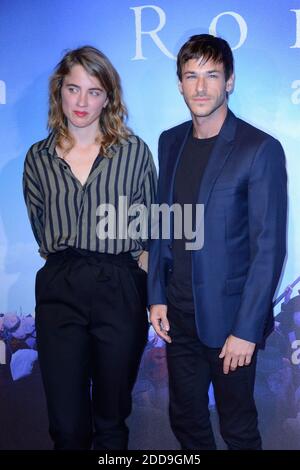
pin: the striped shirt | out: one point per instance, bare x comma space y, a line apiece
63, 212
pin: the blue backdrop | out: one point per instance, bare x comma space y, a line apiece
142, 40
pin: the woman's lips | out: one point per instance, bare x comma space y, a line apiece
81, 113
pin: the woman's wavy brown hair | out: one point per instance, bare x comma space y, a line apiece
113, 116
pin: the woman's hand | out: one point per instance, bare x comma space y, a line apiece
143, 261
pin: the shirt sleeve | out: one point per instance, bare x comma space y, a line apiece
33, 197
149, 193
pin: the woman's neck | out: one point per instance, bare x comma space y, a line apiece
86, 136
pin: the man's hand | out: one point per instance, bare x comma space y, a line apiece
236, 352
158, 318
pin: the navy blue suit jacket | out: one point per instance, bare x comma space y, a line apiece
235, 274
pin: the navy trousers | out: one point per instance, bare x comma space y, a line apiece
192, 367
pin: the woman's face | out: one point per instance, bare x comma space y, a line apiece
83, 98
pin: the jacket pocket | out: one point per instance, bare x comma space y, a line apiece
235, 285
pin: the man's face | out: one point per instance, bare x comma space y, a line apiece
204, 87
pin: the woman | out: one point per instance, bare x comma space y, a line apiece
91, 293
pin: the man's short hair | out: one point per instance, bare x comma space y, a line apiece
209, 48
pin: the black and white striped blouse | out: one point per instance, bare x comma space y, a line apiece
63, 212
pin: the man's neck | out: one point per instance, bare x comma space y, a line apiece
209, 126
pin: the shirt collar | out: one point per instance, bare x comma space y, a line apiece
50, 142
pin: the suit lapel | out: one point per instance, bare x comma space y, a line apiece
218, 158
176, 150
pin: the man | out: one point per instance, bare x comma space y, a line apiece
213, 306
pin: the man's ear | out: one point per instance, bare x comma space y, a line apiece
180, 87
230, 83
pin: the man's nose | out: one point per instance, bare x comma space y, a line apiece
201, 84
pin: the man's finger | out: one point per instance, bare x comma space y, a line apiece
234, 364
155, 322
164, 335
248, 359
165, 324
226, 364
241, 361
157, 325
223, 352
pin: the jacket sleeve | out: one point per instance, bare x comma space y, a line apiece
267, 212
156, 287
33, 197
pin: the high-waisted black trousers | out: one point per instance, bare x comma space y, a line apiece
92, 328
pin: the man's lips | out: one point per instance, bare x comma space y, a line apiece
80, 113
201, 99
